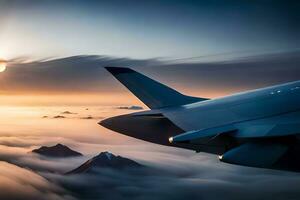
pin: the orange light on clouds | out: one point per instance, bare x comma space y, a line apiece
68, 100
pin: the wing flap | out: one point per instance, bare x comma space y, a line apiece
204, 136
267, 130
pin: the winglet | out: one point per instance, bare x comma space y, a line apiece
150, 92
118, 70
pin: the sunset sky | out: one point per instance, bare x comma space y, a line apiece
202, 48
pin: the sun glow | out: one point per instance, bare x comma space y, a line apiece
3, 66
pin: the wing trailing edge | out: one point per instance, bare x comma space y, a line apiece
204, 136
267, 130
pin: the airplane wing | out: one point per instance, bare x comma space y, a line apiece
259, 128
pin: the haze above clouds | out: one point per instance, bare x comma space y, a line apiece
85, 74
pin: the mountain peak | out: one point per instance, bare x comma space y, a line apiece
59, 145
105, 160
107, 154
58, 150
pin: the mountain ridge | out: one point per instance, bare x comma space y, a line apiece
58, 151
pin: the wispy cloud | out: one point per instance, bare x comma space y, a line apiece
77, 73
86, 73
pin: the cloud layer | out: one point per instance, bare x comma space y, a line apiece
19, 184
205, 181
170, 174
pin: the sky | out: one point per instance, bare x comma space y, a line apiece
201, 48
147, 29
56, 50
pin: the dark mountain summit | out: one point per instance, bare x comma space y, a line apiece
59, 151
68, 113
105, 160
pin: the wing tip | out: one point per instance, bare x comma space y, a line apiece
118, 70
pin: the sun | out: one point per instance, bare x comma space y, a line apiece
2, 66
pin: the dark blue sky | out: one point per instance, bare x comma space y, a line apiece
147, 29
